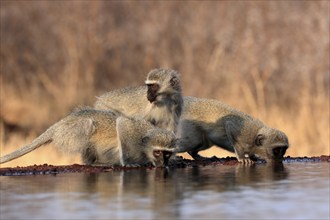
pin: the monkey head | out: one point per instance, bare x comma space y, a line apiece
160, 144
162, 83
162, 157
253, 140
269, 144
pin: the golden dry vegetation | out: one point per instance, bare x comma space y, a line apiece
269, 59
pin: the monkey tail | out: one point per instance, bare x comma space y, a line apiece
44, 138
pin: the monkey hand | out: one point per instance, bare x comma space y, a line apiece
246, 161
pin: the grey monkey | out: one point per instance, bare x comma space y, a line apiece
159, 102
207, 122
142, 142
103, 137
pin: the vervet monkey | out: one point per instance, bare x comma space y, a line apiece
103, 137
207, 122
159, 102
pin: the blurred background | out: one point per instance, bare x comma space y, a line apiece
269, 59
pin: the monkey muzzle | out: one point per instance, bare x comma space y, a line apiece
162, 157
272, 154
151, 97
278, 152
152, 92
166, 157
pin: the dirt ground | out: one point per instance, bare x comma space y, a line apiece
181, 163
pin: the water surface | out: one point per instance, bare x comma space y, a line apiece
261, 191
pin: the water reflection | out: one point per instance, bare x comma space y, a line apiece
170, 184
147, 193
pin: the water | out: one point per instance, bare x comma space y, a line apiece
290, 191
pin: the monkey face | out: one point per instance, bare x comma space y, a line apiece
162, 157
162, 82
152, 91
270, 145
160, 144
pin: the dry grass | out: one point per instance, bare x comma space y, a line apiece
269, 59
42, 155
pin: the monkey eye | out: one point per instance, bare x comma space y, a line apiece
157, 153
153, 86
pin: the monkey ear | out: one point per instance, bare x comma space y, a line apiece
259, 141
174, 81
232, 132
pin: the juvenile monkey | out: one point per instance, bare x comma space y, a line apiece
159, 102
207, 122
142, 142
103, 137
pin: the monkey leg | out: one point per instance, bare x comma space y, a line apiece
193, 140
196, 156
